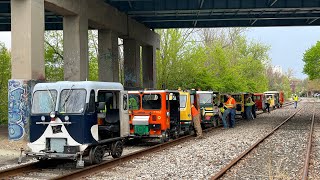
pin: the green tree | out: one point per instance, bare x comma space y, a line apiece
311, 59
5, 75
93, 55
223, 60
236, 64
173, 58
54, 55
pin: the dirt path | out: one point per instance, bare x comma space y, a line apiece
9, 150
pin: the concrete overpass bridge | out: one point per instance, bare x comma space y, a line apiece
131, 20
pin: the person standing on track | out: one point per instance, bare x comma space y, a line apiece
248, 107
295, 99
231, 109
196, 121
268, 102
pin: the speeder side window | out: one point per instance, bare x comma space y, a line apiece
151, 101
183, 101
92, 105
205, 99
237, 98
257, 98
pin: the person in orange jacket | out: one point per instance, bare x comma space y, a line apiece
196, 121
230, 109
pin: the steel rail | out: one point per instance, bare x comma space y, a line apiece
19, 169
33, 166
284, 105
237, 159
307, 160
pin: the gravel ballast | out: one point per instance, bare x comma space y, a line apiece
280, 156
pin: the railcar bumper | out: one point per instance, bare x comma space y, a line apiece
145, 136
45, 155
209, 119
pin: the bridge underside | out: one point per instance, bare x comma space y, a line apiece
200, 13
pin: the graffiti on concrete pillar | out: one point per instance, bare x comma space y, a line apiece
130, 79
107, 55
108, 58
106, 65
19, 108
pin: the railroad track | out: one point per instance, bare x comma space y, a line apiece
314, 162
284, 105
39, 167
253, 154
52, 168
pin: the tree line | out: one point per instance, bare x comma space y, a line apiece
223, 60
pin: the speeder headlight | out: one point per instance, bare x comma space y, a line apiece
66, 118
52, 114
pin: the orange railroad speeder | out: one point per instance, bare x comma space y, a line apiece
154, 114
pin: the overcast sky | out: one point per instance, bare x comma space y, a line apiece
287, 44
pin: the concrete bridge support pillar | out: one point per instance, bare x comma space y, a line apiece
75, 47
108, 56
149, 66
27, 35
131, 63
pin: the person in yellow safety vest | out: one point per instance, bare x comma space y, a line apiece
101, 120
108, 105
248, 107
231, 109
221, 111
268, 102
196, 121
295, 99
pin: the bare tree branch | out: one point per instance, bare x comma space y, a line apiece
54, 49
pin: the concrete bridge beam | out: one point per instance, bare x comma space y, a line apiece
149, 66
108, 62
75, 47
131, 63
27, 36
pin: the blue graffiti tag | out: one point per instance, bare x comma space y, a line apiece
17, 111
16, 131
